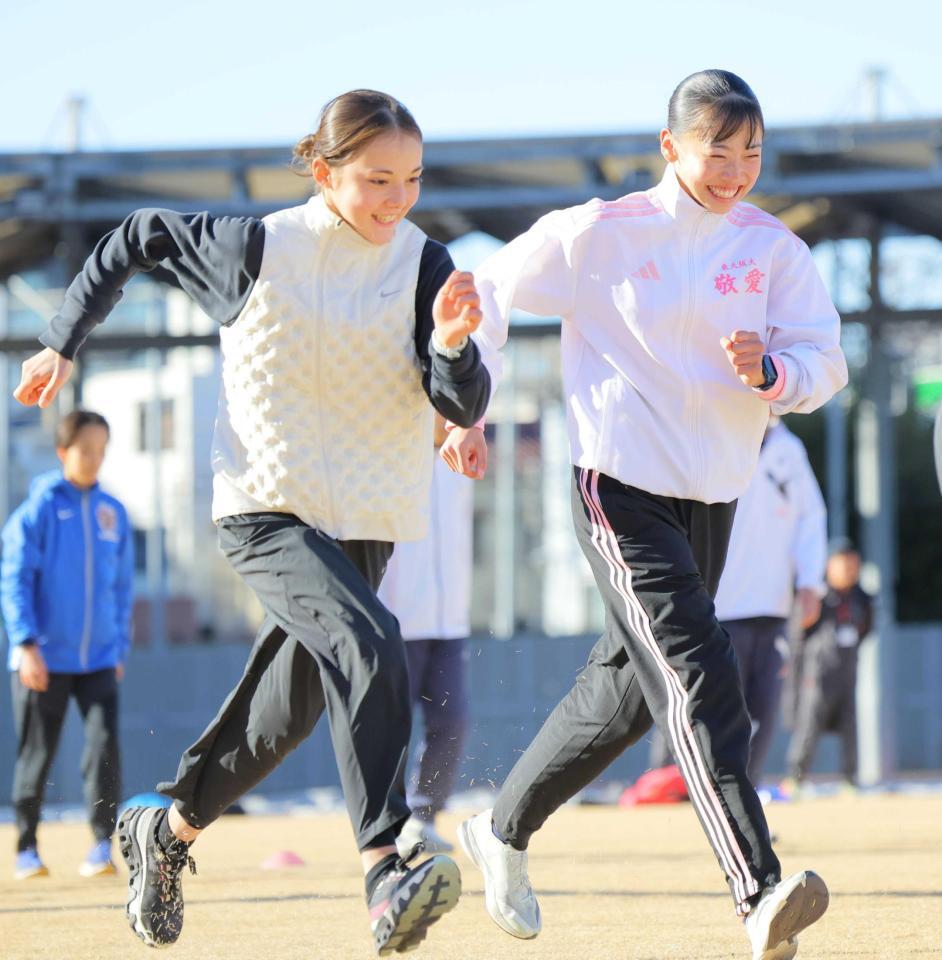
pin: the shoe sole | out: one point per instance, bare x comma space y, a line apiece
804, 903
133, 829
471, 849
30, 874
433, 890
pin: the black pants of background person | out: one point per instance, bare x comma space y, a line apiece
761, 646
827, 703
327, 642
657, 562
38, 719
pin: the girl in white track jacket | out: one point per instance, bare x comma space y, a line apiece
687, 317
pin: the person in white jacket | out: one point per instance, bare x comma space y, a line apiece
688, 318
783, 509
428, 587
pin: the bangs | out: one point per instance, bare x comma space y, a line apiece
727, 116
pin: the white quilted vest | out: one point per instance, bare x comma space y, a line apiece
322, 412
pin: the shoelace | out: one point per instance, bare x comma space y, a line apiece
401, 866
518, 870
169, 868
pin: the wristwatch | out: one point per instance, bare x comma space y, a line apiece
769, 371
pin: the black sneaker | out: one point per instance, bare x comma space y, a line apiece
155, 897
407, 902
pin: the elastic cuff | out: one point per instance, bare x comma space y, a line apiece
449, 426
65, 348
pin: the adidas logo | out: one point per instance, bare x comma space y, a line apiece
647, 272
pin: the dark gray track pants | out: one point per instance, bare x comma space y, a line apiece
657, 562
327, 641
761, 648
38, 718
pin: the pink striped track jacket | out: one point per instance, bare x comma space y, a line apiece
646, 286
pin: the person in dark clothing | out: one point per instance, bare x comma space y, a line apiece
827, 696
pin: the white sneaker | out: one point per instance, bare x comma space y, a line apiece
784, 912
416, 831
507, 891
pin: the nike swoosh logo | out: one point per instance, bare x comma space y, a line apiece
387, 293
65, 514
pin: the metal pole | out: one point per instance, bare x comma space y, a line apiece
505, 512
876, 502
875, 79
835, 437
155, 548
70, 397
75, 108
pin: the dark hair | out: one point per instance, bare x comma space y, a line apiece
69, 426
714, 104
348, 123
841, 545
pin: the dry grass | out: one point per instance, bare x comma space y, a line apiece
614, 884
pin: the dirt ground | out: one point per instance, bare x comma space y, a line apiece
613, 884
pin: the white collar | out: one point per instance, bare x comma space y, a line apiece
676, 202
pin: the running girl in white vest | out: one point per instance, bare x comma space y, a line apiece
687, 317
340, 322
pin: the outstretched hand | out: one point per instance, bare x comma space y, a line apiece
465, 451
42, 376
457, 309
744, 348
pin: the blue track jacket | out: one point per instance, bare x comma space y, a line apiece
67, 575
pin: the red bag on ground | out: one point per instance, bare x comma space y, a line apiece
663, 785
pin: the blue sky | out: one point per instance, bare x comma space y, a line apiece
203, 72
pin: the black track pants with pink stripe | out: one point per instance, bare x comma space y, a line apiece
663, 656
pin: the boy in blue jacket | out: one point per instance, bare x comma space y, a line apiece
65, 588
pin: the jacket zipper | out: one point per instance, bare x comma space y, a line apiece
692, 384
89, 582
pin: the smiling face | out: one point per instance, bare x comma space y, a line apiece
377, 188
717, 174
82, 459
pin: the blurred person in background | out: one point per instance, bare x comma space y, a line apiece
435, 623
66, 591
827, 691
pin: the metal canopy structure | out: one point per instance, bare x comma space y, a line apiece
823, 181
827, 182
